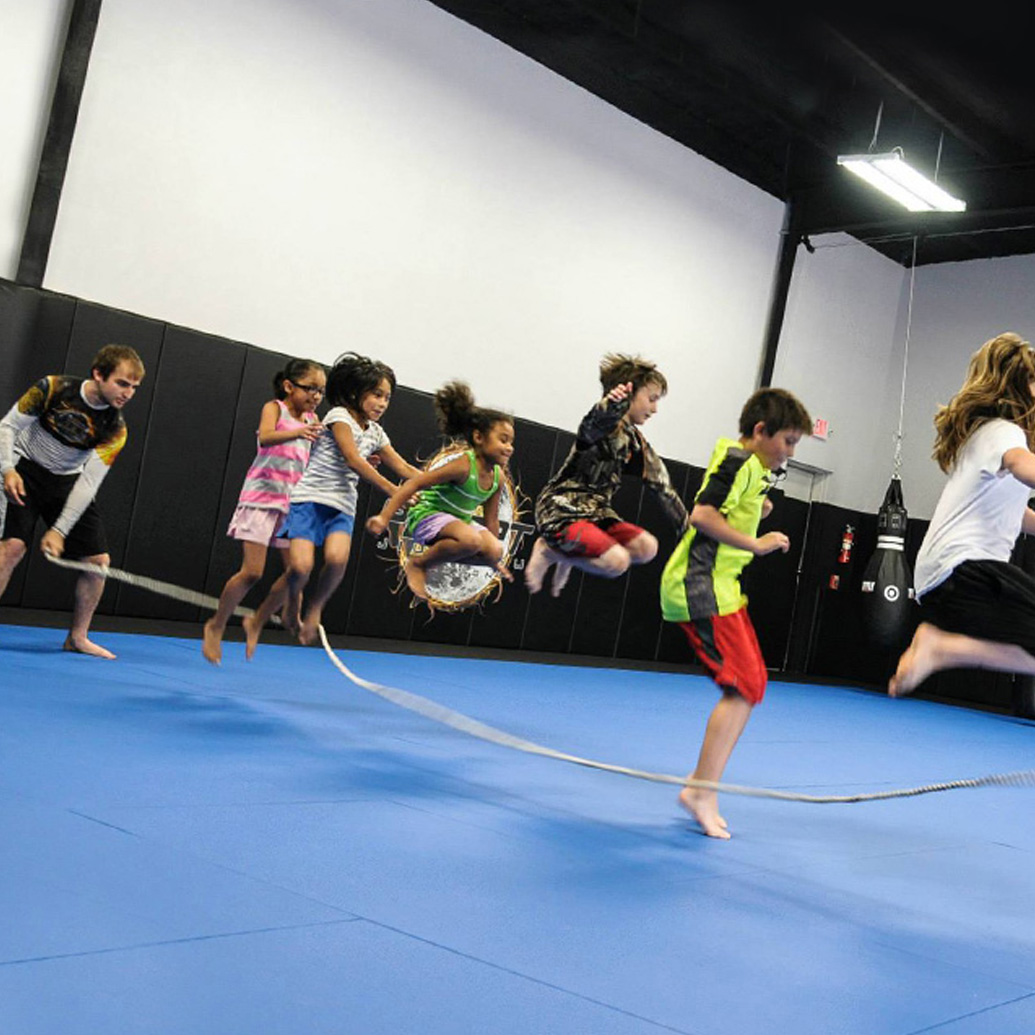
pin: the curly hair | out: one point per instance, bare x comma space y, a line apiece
459, 417
616, 369
998, 384
353, 376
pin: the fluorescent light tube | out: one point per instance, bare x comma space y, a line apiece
893, 175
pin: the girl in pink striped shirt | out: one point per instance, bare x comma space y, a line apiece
288, 427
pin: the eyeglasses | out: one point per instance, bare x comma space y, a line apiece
311, 389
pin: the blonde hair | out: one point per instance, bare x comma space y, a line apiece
998, 384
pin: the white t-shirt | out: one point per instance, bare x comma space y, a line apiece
328, 478
979, 514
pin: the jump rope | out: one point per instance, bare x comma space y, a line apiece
474, 728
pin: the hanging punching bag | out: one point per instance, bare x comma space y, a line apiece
887, 583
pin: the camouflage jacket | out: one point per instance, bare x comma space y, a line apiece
582, 489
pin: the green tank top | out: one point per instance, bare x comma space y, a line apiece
462, 501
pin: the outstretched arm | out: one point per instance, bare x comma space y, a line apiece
655, 474
347, 444
1021, 464
455, 471
396, 463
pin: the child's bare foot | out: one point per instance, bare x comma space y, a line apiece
291, 619
83, 645
309, 630
212, 643
703, 806
252, 632
918, 662
538, 565
415, 579
560, 578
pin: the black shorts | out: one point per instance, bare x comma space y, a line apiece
45, 496
988, 600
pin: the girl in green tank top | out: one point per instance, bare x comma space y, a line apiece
442, 519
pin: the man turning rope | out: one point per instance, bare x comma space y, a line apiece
56, 445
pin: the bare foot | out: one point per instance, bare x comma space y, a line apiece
212, 643
415, 579
82, 645
538, 565
291, 619
560, 578
702, 805
252, 632
309, 630
918, 662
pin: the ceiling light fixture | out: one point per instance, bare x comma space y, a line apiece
892, 174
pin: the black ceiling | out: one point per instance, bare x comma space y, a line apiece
775, 93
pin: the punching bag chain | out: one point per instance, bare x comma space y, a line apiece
905, 366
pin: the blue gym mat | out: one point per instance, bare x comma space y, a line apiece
263, 848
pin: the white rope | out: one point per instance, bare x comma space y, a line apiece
473, 727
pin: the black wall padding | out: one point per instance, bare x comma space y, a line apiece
640, 629
177, 503
548, 620
168, 500
502, 624
770, 582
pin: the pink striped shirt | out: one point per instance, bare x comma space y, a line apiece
276, 469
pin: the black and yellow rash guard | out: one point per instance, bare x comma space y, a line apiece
702, 577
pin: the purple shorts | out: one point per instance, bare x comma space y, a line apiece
428, 529
257, 525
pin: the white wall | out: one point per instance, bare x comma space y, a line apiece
841, 354
958, 306
31, 37
318, 175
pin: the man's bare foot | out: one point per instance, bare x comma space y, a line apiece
702, 805
82, 645
212, 643
415, 579
252, 632
560, 578
538, 565
918, 662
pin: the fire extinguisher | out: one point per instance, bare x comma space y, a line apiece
845, 556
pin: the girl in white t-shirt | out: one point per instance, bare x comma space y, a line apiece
323, 503
977, 609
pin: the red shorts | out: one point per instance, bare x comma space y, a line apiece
727, 646
586, 539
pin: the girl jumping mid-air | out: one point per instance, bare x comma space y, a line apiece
323, 503
976, 609
442, 519
288, 426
